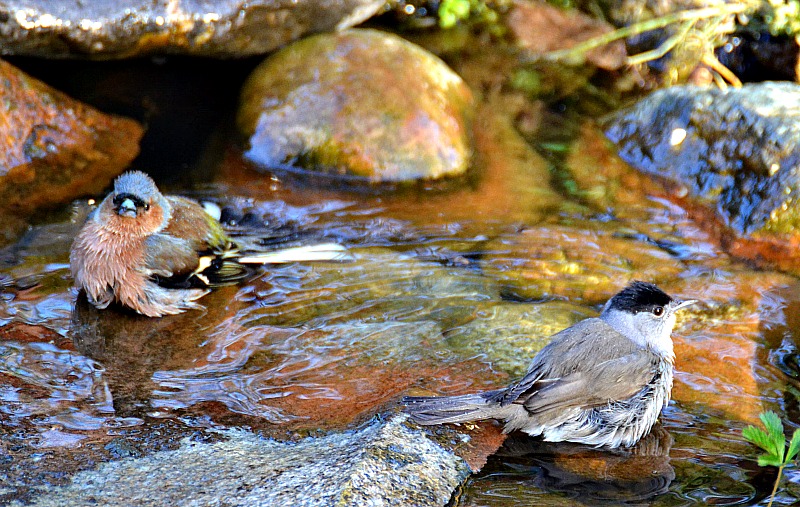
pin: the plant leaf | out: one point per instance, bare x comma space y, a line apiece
774, 427
766, 460
794, 446
758, 437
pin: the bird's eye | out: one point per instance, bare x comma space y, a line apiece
146, 206
658, 311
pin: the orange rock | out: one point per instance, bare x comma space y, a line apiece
716, 369
53, 148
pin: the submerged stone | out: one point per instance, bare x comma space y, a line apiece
224, 28
385, 463
509, 335
360, 103
379, 285
577, 264
53, 148
735, 153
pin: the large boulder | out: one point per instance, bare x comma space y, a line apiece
734, 154
384, 463
225, 28
53, 148
360, 103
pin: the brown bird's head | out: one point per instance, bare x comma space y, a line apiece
135, 207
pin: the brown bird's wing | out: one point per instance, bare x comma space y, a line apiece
167, 256
612, 380
191, 222
582, 348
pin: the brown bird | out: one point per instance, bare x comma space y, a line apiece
158, 254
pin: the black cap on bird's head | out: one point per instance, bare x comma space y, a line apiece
639, 297
645, 314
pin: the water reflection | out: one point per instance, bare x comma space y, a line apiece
578, 472
440, 299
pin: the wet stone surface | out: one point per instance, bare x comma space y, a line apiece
384, 463
110, 29
733, 152
53, 148
362, 104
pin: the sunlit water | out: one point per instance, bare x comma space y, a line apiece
449, 291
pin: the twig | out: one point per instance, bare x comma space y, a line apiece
664, 48
693, 15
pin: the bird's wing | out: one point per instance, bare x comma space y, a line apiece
167, 256
582, 347
609, 381
191, 222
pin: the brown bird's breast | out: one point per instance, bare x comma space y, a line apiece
103, 261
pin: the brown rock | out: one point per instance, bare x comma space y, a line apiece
717, 343
541, 28
716, 370
581, 265
53, 148
729, 157
361, 104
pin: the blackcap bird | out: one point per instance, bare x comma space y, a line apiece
602, 382
158, 254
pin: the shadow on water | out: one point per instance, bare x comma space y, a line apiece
577, 472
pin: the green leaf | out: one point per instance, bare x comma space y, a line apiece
758, 437
768, 460
452, 11
794, 446
775, 430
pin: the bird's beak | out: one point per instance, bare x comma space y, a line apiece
684, 304
127, 208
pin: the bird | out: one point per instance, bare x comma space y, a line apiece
602, 382
158, 254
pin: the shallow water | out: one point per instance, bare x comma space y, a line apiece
451, 290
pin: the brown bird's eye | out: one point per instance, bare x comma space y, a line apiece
658, 311
146, 206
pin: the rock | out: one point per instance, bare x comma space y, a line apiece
362, 104
384, 463
576, 264
716, 371
718, 348
509, 335
110, 29
53, 148
378, 285
736, 153
541, 28
513, 185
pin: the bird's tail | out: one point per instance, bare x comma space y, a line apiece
319, 252
453, 409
